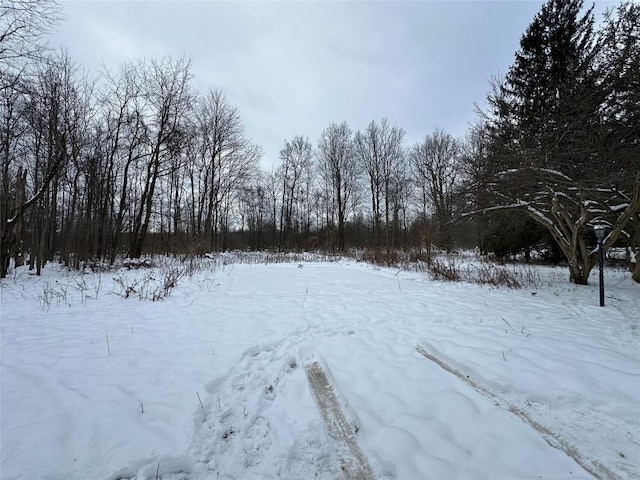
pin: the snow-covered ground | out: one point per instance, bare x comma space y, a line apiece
439, 380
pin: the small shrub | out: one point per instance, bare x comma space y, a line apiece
489, 274
136, 263
83, 286
127, 286
448, 272
443, 267
530, 277
380, 257
53, 292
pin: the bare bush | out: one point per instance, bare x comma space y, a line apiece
126, 286
445, 267
237, 257
84, 285
53, 292
445, 271
490, 274
157, 283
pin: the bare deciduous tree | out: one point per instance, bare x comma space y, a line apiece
224, 163
53, 115
23, 24
120, 111
296, 158
380, 154
340, 172
166, 103
438, 170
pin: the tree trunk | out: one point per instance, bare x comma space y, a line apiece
580, 268
636, 269
577, 275
11, 243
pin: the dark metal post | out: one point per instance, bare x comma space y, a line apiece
601, 260
600, 230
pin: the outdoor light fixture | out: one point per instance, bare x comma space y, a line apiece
600, 231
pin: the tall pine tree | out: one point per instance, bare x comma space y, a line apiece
551, 91
546, 132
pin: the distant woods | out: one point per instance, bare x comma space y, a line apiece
136, 161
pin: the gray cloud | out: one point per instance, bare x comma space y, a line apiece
293, 67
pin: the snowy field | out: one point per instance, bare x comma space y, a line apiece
437, 380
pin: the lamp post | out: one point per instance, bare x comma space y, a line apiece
600, 231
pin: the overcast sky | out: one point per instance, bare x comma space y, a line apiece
292, 68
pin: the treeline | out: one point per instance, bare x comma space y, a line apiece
137, 161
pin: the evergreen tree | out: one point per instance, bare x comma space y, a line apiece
551, 91
618, 64
547, 130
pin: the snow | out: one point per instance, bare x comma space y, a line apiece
556, 173
548, 171
620, 207
210, 381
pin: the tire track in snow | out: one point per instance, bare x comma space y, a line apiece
596, 469
255, 412
353, 463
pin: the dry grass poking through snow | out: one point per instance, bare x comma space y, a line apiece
204, 382
155, 278
150, 278
162, 274
469, 267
